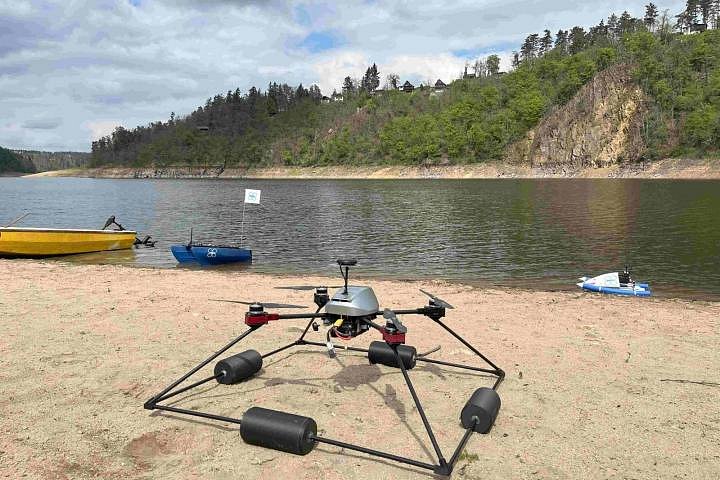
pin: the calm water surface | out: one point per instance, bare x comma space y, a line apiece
531, 233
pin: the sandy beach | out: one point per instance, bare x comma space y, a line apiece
596, 387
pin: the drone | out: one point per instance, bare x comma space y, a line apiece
352, 311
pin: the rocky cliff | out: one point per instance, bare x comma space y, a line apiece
45, 161
600, 126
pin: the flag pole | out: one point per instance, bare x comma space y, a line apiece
242, 225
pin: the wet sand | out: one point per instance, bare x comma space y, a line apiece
596, 387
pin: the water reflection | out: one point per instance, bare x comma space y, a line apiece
538, 233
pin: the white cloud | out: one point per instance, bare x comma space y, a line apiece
86, 62
101, 128
331, 71
426, 68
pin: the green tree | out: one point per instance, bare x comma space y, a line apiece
493, 64
701, 127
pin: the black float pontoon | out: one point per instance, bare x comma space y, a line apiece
350, 312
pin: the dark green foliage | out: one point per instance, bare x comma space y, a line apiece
371, 80
9, 162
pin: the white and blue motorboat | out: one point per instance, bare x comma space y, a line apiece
615, 283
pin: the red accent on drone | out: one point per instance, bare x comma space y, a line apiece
393, 338
256, 319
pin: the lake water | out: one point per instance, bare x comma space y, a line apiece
529, 233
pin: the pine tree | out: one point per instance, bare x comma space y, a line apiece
374, 80
613, 26
561, 40
651, 14
529, 48
348, 87
301, 92
576, 40
315, 93
598, 33
546, 42
626, 23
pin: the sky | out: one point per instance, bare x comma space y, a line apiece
73, 70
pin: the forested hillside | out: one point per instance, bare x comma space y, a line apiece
9, 162
482, 116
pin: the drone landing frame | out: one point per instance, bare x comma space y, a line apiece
296, 434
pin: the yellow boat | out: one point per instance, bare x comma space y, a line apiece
46, 242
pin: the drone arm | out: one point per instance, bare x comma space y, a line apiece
498, 371
428, 311
373, 324
253, 319
291, 316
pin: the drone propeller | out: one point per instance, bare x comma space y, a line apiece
390, 316
439, 302
264, 304
307, 287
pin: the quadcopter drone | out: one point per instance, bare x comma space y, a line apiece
349, 313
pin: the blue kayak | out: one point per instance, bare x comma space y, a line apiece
183, 254
210, 255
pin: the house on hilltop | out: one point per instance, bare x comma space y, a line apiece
440, 86
407, 87
698, 27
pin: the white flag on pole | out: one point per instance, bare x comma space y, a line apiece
252, 196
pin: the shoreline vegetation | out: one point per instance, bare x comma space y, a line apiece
105, 338
662, 169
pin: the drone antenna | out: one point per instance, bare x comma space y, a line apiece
345, 274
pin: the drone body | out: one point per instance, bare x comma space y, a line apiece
357, 302
350, 312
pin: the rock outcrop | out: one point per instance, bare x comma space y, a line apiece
600, 126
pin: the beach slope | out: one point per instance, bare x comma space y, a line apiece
597, 387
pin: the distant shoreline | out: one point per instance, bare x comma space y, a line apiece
668, 168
